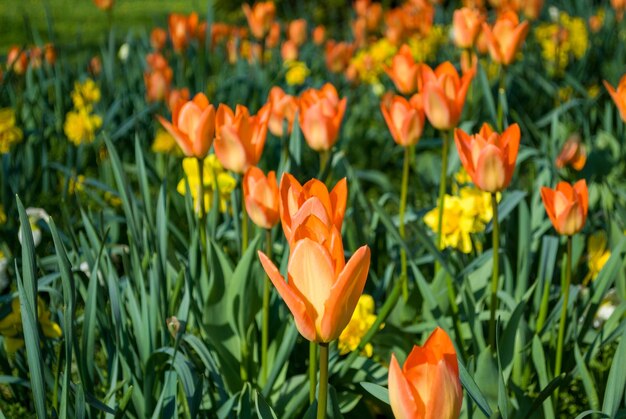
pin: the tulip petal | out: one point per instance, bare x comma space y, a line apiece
490, 175
547, 195
181, 138
205, 132
338, 199
402, 398
464, 147
229, 149
583, 194
437, 108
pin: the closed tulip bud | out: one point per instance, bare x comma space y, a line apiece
177, 24
17, 60
273, 37
572, 154
297, 202
532, 8
284, 108
104, 4
567, 206
618, 96
488, 157
260, 17
95, 65
506, 37
296, 31
405, 119
192, 126
240, 136
158, 38
443, 93
338, 56
319, 35
403, 71
50, 54
289, 51
428, 385
261, 197
619, 6
466, 26
321, 112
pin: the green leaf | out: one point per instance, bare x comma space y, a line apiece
380, 392
539, 360
262, 408
474, 392
614, 390
587, 379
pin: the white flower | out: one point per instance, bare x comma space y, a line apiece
606, 309
34, 215
123, 52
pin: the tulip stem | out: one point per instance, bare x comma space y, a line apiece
266, 310
495, 274
202, 212
403, 195
323, 390
442, 190
324, 160
312, 371
501, 98
244, 225
543, 309
565, 291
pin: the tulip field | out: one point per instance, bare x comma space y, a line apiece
313, 209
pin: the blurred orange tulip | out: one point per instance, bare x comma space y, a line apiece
273, 36
289, 51
322, 290
619, 6
428, 385
572, 154
158, 79
158, 38
17, 60
104, 4
177, 24
319, 35
296, 31
261, 197
618, 96
95, 65
532, 8
506, 37
567, 206
240, 137
403, 71
50, 54
297, 202
175, 96
193, 126
284, 107
466, 25
321, 112
443, 92
338, 55
488, 157
405, 119
260, 17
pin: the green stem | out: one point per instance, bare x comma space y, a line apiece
543, 309
323, 391
324, 161
455, 314
442, 188
403, 195
565, 291
501, 98
495, 274
244, 224
202, 212
266, 310
312, 371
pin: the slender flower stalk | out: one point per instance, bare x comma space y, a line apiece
495, 272
266, 310
323, 390
312, 371
403, 195
501, 98
565, 292
200, 201
244, 225
442, 186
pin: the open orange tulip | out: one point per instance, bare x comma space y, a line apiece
506, 37
405, 119
567, 206
284, 107
488, 157
296, 31
260, 17
443, 92
178, 24
321, 112
572, 154
466, 24
428, 385
297, 202
240, 137
322, 290
193, 126
261, 197
403, 71
618, 96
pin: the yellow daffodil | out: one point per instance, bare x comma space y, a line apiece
362, 319
164, 143
297, 72
212, 169
562, 41
456, 224
369, 63
11, 325
598, 255
425, 48
85, 94
9, 133
81, 125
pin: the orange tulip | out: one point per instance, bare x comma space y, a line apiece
506, 37
261, 197
297, 202
466, 25
95, 65
488, 157
50, 54
158, 38
240, 137
403, 71
158, 79
319, 35
289, 51
572, 154
175, 96
321, 112
618, 96
322, 290
619, 6
260, 17
104, 4
17, 60
443, 93
177, 24
428, 385
296, 31
532, 8
273, 36
284, 107
567, 206
35, 56
405, 119
193, 126
338, 55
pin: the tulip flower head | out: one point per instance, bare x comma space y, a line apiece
104, 4
261, 197
572, 154
405, 119
466, 25
506, 37
192, 126
428, 385
260, 17
321, 112
567, 206
618, 96
284, 108
488, 157
403, 71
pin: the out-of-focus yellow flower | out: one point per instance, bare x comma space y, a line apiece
598, 255
11, 325
85, 94
593, 91
425, 48
112, 199
212, 169
9, 133
565, 93
297, 72
164, 143
81, 125
369, 63
76, 184
3, 215
562, 41
362, 319
462, 178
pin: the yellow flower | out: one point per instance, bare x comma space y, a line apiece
370, 62
85, 94
598, 255
9, 133
362, 319
425, 48
297, 72
211, 169
11, 325
81, 125
76, 184
3, 215
456, 224
562, 41
164, 142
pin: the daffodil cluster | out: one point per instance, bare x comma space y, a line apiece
81, 123
369, 63
561, 41
214, 176
9, 133
297, 72
11, 325
425, 48
362, 319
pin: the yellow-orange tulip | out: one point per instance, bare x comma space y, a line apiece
506, 37
466, 24
321, 112
322, 290
260, 17
405, 119
297, 202
261, 197
284, 107
618, 96
567, 206
289, 51
403, 71
428, 385
193, 126
443, 92
177, 24
296, 31
17, 60
572, 154
240, 137
488, 157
